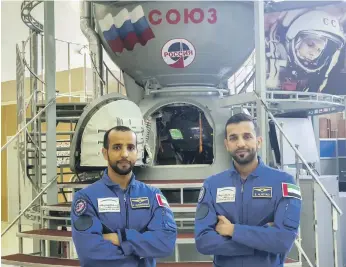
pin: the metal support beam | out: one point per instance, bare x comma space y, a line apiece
237, 99
316, 127
50, 72
260, 76
50, 79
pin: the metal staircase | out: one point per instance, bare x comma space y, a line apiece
33, 149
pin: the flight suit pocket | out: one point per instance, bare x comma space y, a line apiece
168, 220
292, 215
261, 212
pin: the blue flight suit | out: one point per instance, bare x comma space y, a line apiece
141, 217
267, 195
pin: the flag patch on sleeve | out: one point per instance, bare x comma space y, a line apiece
291, 190
162, 201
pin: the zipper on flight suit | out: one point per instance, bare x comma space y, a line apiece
242, 199
126, 206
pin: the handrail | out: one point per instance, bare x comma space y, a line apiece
116, 78
38, 114
26, 125
299, 154
29, 205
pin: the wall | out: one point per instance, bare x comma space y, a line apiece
67, 27
9, 119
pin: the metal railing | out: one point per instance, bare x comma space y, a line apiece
336, 210
242, 78
37, 86
29, 205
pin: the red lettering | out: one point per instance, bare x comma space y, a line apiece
213, 17
191, 15
178, 53
196, 16
152, 20
169, 17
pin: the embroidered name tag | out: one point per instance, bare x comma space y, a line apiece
109, 204
225, 194
140, 203
262, 192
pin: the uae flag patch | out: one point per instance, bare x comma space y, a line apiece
162, 201
291, 190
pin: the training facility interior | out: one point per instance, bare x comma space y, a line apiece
174, 74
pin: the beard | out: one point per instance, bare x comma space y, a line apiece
121, 167
244, 156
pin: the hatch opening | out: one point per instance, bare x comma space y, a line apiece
183, 136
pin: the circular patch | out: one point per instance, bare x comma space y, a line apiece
80, 207
83, 223
201, 194
202, 211
178, 53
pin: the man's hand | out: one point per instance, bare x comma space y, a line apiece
113, 237
224, 227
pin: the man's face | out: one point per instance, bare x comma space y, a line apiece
311, 48
122, 151
241, 142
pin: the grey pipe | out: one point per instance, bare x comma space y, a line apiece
94, 42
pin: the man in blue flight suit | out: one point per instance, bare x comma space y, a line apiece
248, 215
119, 221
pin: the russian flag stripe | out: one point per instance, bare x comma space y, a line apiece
106, 22
136, 14
121, 18
111, 34
141, 25
126, 29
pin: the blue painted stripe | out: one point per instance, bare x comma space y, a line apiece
341, 148
327, 148
111, 34
141, 25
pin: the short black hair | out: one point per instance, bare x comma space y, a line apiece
240, 117
119, 128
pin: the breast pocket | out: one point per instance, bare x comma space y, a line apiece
261, 211
229, 210
111, 221
139, 213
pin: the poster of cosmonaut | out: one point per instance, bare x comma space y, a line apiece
305, 50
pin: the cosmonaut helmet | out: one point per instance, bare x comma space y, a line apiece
312, 39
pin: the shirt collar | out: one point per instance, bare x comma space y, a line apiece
107, 181
257, 172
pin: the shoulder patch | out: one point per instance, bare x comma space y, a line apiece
291, 190
202, 211
201, 194
162, 201
83, 223
80, 207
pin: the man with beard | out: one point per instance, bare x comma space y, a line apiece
248, 215
119, 221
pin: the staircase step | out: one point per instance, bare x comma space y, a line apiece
66, 207
29, 260
47, 234
66, 236
162, 184
73, 119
